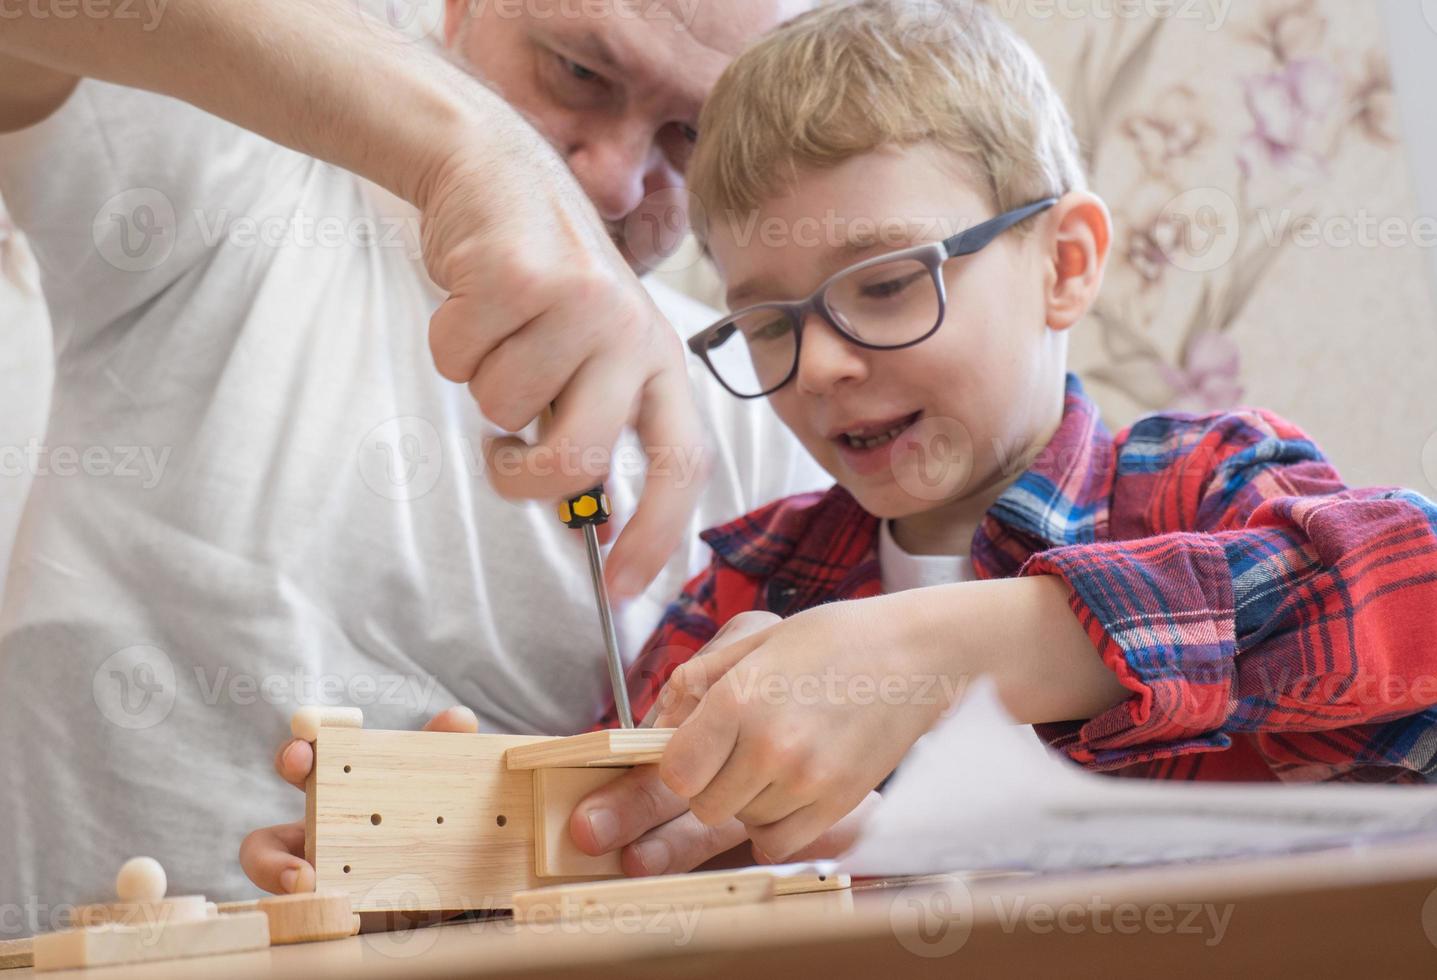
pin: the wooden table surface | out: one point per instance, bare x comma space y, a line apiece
1362, 912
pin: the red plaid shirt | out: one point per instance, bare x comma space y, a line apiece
1270, 622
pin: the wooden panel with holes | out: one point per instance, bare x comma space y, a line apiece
403, 821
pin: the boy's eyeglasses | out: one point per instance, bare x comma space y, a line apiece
884, 303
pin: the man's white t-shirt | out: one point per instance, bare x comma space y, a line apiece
256, 492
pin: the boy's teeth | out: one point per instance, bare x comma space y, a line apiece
859, 442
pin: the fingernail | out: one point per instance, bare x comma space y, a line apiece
761, 856
603, 827
287, 879
654, 855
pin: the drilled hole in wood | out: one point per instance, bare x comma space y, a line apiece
823, 877
438, 819
730, 888
501, 820
346, 869
375, 819
346, 769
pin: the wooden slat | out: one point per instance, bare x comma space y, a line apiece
612, 747
111, 945
180, 908
702, 890
16, 953
804, 883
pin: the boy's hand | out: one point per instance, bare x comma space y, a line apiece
788, 728
784, 725
659, 835
273, 857
652, 824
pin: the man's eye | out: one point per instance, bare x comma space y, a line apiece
577, 70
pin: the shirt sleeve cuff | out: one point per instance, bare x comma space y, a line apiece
1160, 614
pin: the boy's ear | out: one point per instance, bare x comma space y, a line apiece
1077, 254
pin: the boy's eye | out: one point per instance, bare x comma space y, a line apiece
888, 288
689, 133
767, 330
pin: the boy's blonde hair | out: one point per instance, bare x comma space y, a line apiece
850, 77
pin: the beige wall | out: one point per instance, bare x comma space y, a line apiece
1252, 159
1270, 249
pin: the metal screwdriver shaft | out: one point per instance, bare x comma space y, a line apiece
606, 623
587, 511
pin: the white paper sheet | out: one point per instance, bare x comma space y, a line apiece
980, 791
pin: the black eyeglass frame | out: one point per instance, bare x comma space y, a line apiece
932, 255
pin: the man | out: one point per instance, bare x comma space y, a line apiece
255, 490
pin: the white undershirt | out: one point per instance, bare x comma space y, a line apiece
289, 504
902, 571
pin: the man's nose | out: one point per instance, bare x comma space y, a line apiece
827, 359
613, 170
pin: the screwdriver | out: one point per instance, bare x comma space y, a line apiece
587, 511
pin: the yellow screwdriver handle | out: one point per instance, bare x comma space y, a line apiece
589, 507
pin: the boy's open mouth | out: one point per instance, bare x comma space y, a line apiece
872, 435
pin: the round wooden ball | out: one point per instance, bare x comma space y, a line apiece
141, 879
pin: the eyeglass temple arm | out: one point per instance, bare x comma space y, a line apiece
969, 241
700, 342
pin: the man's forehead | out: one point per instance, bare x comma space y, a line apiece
730, 26
724, 26
682, 45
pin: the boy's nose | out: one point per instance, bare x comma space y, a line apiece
827, 358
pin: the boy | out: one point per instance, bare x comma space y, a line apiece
1197, 597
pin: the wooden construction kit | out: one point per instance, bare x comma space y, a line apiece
418, 825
